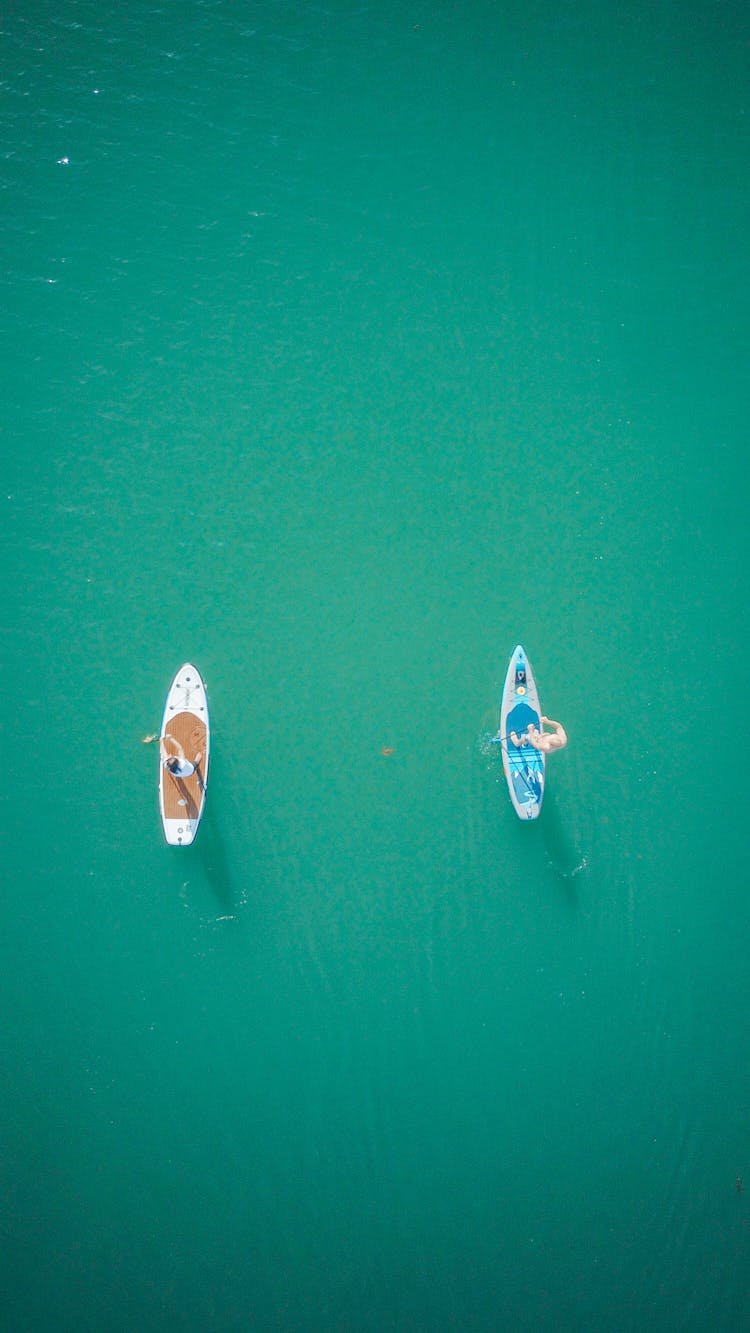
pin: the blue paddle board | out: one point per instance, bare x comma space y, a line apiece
523, 765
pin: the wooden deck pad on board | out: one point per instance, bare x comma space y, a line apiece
183, 797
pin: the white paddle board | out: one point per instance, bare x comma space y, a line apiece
182, 799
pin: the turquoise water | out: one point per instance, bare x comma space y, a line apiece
345, 347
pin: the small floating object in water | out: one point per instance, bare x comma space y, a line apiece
738, 1184
386, 751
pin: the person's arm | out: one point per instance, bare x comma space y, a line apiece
560, 733
174, 750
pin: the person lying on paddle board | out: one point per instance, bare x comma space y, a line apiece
542, 740
173, 756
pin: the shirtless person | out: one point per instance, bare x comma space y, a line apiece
541, 740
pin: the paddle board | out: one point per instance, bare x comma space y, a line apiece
181, 799
523, 765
